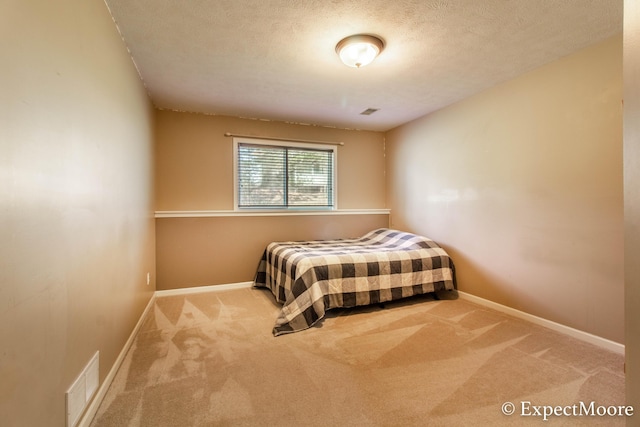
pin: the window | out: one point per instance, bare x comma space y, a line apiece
281, 175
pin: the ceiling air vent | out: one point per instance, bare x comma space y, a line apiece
369, 111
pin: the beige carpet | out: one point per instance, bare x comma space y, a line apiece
210, 359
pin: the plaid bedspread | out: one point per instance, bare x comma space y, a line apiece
312, 277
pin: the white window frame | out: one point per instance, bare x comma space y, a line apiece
281, 143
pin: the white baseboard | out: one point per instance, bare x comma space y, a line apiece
567, 330
90, 413
200, 289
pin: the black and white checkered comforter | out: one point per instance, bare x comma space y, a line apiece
383, 265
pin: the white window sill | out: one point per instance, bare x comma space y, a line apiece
287, 212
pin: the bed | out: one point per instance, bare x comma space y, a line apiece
311, 277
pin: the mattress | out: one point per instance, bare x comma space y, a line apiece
311, 277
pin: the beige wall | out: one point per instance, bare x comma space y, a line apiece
523, 185
219, 250
76, 221
194, 160
632, 199
194, 172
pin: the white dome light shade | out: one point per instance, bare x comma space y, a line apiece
359, 50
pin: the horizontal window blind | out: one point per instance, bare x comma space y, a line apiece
272, 176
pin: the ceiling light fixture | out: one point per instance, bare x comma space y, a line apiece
359, 50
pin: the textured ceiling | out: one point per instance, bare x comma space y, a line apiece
275, 59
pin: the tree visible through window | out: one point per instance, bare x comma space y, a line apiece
284, 176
